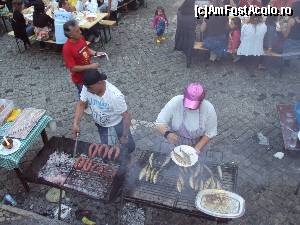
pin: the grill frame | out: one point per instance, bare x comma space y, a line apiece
66, 145
137, 191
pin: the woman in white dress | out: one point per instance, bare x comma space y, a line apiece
252, 39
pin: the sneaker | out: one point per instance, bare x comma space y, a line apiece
212, 56
88, 111
97, 39
163, 38
157, 41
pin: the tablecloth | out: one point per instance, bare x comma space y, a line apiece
12, 161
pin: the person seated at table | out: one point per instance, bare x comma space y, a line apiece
185, 31
252, 39
234, 37
104, 5
291, 46
188, 119
61, 16
273, 40
281, 3
94, 33
215, 29
91, 6
109, 110
43, 24
20, 26
250, 2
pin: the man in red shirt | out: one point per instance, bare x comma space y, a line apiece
77, 53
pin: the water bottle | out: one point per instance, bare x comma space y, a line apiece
9, 200
297, 113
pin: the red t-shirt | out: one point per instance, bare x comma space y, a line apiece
76, 54
248, 3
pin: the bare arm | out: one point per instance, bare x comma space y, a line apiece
78, 114
126, 127
92, 52
162, 128
202, 142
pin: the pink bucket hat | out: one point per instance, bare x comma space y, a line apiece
194, 94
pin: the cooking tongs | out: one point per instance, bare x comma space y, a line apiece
75, 147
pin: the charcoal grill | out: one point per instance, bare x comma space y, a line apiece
95, 186
164, 194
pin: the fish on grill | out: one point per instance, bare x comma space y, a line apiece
152, 175
180, 183
192, 182
151, 160
155, 177
148, 173
220, 173
143, 172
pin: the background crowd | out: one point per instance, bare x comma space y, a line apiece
240, 36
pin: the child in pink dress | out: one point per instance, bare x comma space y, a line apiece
160, 23
234, 37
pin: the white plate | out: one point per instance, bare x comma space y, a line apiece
16, 146
187, 149
239, 201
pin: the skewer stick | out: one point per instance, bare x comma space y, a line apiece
6, 141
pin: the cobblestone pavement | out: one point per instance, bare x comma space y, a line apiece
149, 75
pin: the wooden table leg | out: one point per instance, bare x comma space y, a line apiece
22, 179
4, 23
44, 136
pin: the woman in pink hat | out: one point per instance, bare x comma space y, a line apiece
188, 119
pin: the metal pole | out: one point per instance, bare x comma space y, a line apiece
59, 204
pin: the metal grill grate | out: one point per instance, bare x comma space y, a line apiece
164, 193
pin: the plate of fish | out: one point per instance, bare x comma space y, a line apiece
220, 203
184, 156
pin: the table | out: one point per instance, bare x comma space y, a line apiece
289, 127
11, 162
89, 25
163, 194
86, 25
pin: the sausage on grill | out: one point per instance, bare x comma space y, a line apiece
101, 149
106, 151
110, 152
117, 152
91, 149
